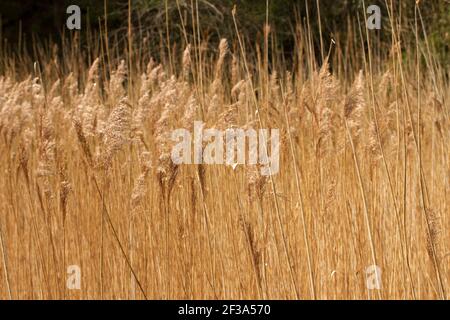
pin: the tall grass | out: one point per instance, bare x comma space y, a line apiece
87, 177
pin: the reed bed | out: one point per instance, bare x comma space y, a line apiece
87, 177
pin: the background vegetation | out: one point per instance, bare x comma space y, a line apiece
22, 20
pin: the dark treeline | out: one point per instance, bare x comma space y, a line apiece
27, 19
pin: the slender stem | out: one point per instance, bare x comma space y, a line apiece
5, 265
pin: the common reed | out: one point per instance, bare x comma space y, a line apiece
88, 179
